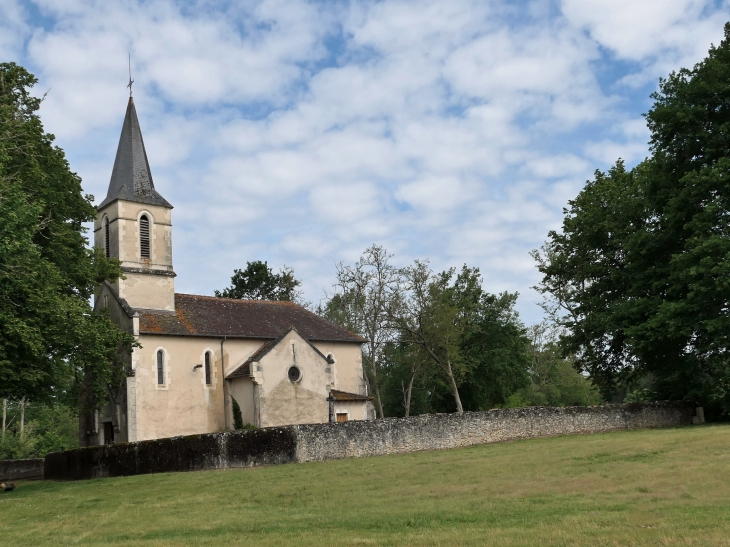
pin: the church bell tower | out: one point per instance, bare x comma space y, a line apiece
134, 224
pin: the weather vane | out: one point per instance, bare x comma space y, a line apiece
131, 81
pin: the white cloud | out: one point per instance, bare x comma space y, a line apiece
661, 35
302, 132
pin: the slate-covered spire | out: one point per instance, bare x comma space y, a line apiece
131, 178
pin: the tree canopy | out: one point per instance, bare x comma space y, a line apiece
640, 272
49, 337
259, 282
437, 342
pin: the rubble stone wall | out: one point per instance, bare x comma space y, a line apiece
317, 442
440, 431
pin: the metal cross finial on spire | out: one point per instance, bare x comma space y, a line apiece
131, 81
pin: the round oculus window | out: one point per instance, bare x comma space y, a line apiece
294, 374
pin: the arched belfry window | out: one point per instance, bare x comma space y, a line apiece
144, 236
160, 367
207, 368
106, 237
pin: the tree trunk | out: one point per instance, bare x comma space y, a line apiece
380, 402
5, 415
408, 393
454, 388
22, 419
374, 383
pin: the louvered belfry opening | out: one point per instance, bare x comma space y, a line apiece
144, 236
106, 238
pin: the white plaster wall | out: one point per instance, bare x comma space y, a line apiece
348, 365
242, 389
185, 405
284, 402
356, 410
148, 291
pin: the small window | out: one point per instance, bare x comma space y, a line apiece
106, 238
144, 236
207, 368
294, 374
160, 368
342, 416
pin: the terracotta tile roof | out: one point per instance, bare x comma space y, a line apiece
218, 317
244, 369
338, 395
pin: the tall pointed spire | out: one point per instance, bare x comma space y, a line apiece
131, 177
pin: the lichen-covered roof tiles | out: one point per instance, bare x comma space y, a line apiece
218, 317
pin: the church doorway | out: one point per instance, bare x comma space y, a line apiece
108, 433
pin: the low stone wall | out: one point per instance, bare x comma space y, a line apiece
252, 448
440, 431
316, 442
13, 470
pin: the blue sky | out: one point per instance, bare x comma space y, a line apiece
302, 132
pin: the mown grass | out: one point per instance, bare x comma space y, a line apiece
651, 487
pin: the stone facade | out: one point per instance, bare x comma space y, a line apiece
317, 442
149, 282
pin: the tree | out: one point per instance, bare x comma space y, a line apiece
259, 282
34, 430
495, 345
553, 378
237, 414
428, 318
49, 336
364, 294
639, 273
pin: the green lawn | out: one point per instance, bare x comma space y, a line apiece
651, 487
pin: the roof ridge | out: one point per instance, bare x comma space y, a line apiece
278, 302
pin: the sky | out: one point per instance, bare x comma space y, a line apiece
300, 133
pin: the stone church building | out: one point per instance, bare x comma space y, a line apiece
281, 363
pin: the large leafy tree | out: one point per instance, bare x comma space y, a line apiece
468, 344
640, 272
258, 282
50, 340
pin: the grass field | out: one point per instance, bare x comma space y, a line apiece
650, 487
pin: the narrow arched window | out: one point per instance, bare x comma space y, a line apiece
144, 236
160, 368
106, 237
207, 368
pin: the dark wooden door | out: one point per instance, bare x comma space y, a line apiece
108, 433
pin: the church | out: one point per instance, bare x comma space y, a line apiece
201, 356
